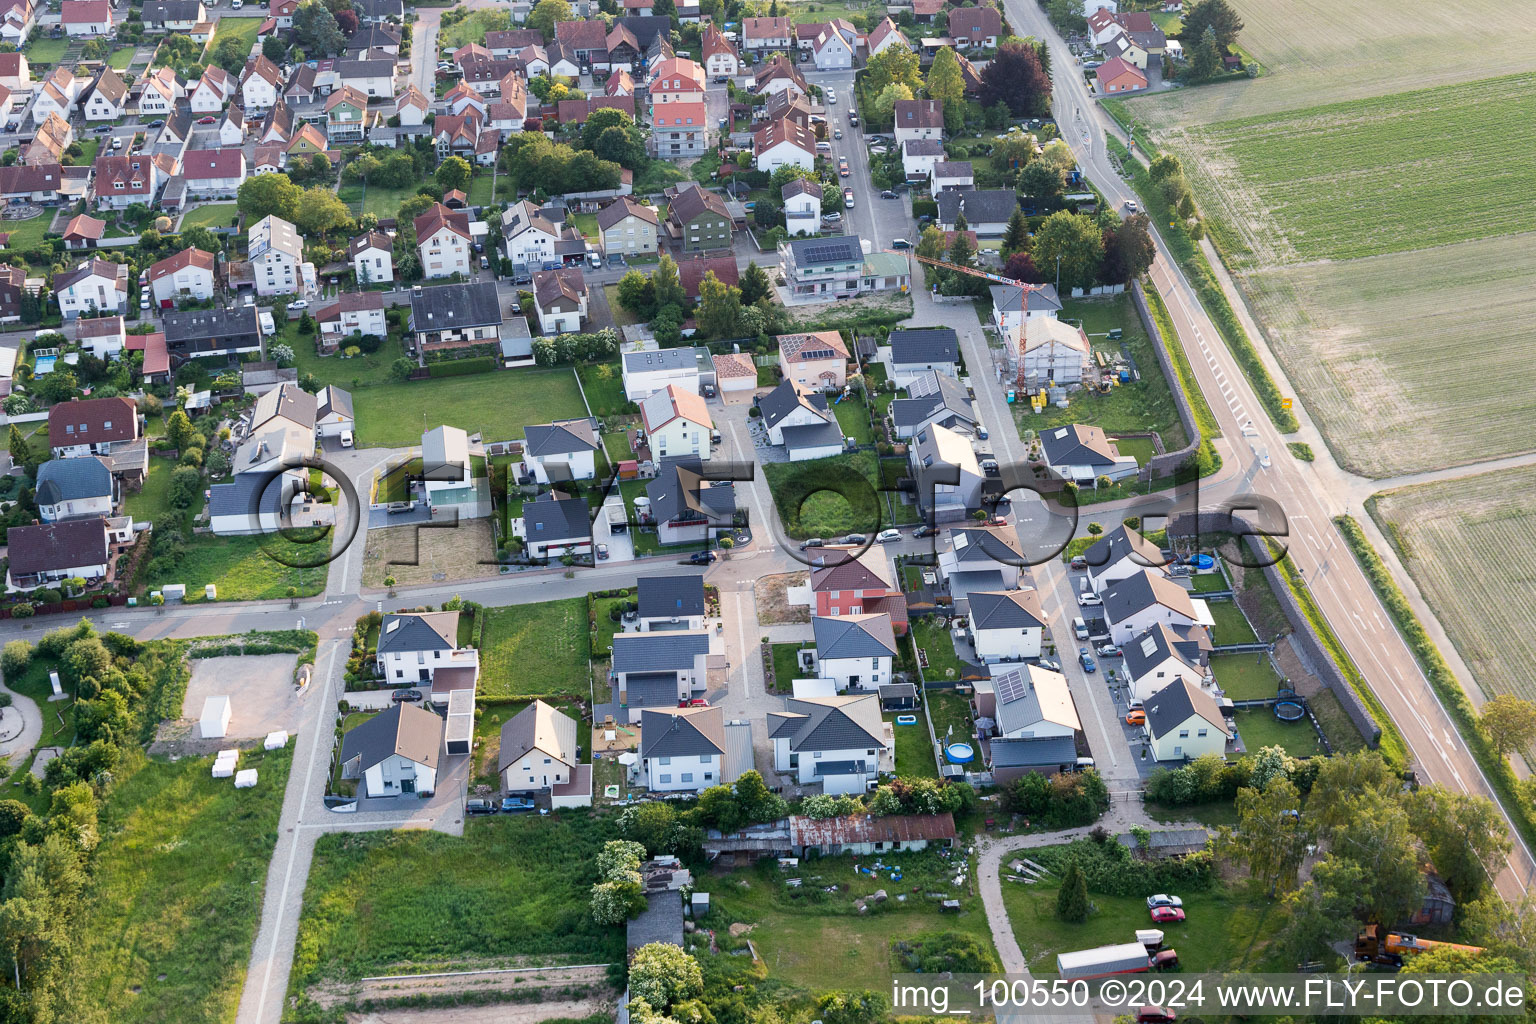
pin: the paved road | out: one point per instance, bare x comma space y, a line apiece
1310, 495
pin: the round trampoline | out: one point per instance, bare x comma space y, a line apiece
1290, 711
960, 753
1203, 562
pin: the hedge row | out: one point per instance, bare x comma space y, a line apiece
462, 367
1192, 261
1454, 699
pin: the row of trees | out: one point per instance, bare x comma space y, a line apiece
746, 309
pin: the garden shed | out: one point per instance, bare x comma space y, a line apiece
214, 722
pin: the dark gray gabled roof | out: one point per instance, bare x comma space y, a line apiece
562, 438
827, 434
925, 345
333, 399
650, 690
849, 722
786, 398
837, 249
981, 206
682, 732
72, 480
934, 396
249, 494
1176, 703
1076, 445
854, 636
1033, 752
454, 307
419, 631
538, 726
1148, 649
405, 729
1006, 609
1119, 543
679, 487
205, 324
668, 651
556, 517
666, 596
987, 544
1010, 298
1143, 590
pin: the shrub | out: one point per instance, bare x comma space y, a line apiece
15, 658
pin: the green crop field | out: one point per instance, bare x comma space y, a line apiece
1465, 543
1372, 176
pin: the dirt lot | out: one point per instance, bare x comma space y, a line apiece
772, 607
415, 555
573, 992
261, 694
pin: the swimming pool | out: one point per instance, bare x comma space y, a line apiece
43, 364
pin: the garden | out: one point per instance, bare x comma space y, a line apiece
495, 405
536, 649
827, 497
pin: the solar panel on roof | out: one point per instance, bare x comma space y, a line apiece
1010, 687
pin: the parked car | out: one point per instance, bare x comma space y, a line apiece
1162, 899
900, 243
157, 123
1155, 1015
210, 119
1088, 599
1166, 915
1049, 664
698, 702
1080, 628
602, 552
102, 129
814, 542
887, 194
299, 304
823, 147
1137, 717
854, 538
517, 805
346, 439
888, 536
1109, 651
925, 531
831, 95
842, 167
1086, 660
1079, 563
410, 695
701, 558
832, 218
474, 805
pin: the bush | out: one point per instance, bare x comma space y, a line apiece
48, 596
21, 611
462, 367
1062, 801
15, 658
1111, 869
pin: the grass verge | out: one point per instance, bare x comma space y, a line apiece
1207, 459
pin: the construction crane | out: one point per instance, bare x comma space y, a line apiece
1038, 401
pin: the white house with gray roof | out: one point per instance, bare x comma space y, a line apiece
670, 603
554, 525
800, 419
652, 370
69, 488
933, 399
395, 753
539, 749
1163, 655
981, 558
949, 477
1026, 701
414, 646
1082, 453
1012, 304
1006, 625
659, 669
1185, 722
1120, 553
909, 355
684, 750
840, 742
333, 412
1139, 602
447, 474
565, 450
855, 651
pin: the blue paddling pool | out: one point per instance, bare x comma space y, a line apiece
906, 719
960, 753
1203, 562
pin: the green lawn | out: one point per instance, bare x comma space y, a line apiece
1260, 728
247, 568
395, 485
586, 223
473, 28
381, 202
480, 187
497, 405
853, 418
933, 639
616, 445
175, 893
88, 149
337, 369
213, 215
1138, 407
1336, 723
536, 648
621, 316
1231, 627
827, 497
27, 234
153, 502
1210, 583
121, 58
604, 387
43, 50
1140, 448
1245, 676
1225, 929
511, 886
786, 666
950, 713
243, 29
914, 754
58, 725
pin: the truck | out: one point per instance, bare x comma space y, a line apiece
1103, 961
1375, 943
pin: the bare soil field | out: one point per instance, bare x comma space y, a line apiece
561, 985
1403, 359
414, 555
773, 607
1467, 545
1314, 51
262, 699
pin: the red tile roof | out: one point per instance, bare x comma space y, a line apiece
210, 164
691, 272
89, 418
188, 257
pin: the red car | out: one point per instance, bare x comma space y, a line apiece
210, 119
1155, 1015
698, 702
1166, 915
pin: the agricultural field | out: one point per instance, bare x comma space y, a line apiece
1465, 543
1346, 180
1363, 341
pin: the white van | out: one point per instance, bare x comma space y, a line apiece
346, 439
1080, 628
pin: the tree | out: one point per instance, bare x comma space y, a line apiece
637, 294
319, 211
754, 284
1376, 835
947, 85
1465, 835
650, 824
663, 974
851, 1007
1072, 897
1322, 910
454, 173
402, 368
1015, 235
1042, 184
1218, 17
1015, 77
346, 20
1129, 252
665, 284
895, 65
86, 658
274, 49
613, 903
883, 107
931, 247
719, 307
1067, 16
1071, 243
1508, 721
758, 803
178, 429
15, 658
1205, 60
622, 145
269, 195
13, 813
20, 453
1271, 835
546, 14
1165, 165
1021, 267
315, 29
1341, 778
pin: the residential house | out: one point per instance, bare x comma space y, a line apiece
934, 399
7, 102
1011, 759
261, 86
679, 130
58, 93
73, 488
395, 753
539, 749
211, 332
232, 127
309, 141
651, 370
47, 147
588, 41
577, 111
919, 119
186, 275
677, 423
1006, 625
106, 97
685, 506
15, 70
443, 242
620, 83
1184, 722
823, 266
627, 228
801, 420
412, 107
975, 28
720, 56
374, 77
1119, 554
852, 582
83, 427
981, 558
659, 669
510, 43
94, 286
1137, 603
1027, 701
735, 372
104, 337
676, 80
446, 466
692, 271
884, 36
553, 525
779, 75
802, 206
948, 175
916, 353
698, 220
269, 159
784, 143
83, 232
372, 256
919, 157
624, 51
1118, 75
787, 104
560, 299
1013, 304
46, 553
281, 12
333, 412
161, 91
836, 46
346, 115
14, 279
174, 15
1083, 454
22, 184
855, 651
530, 234
455, 316
1164, 655
1048, 350
86, 18
949, 478
276, 252
277, 126
352, 315
986, 210
461, 99
969, 76
767, 33
685, 750
863, 835
370, 41
839, 742
565, 450
213, 173
668, 603
377, 12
